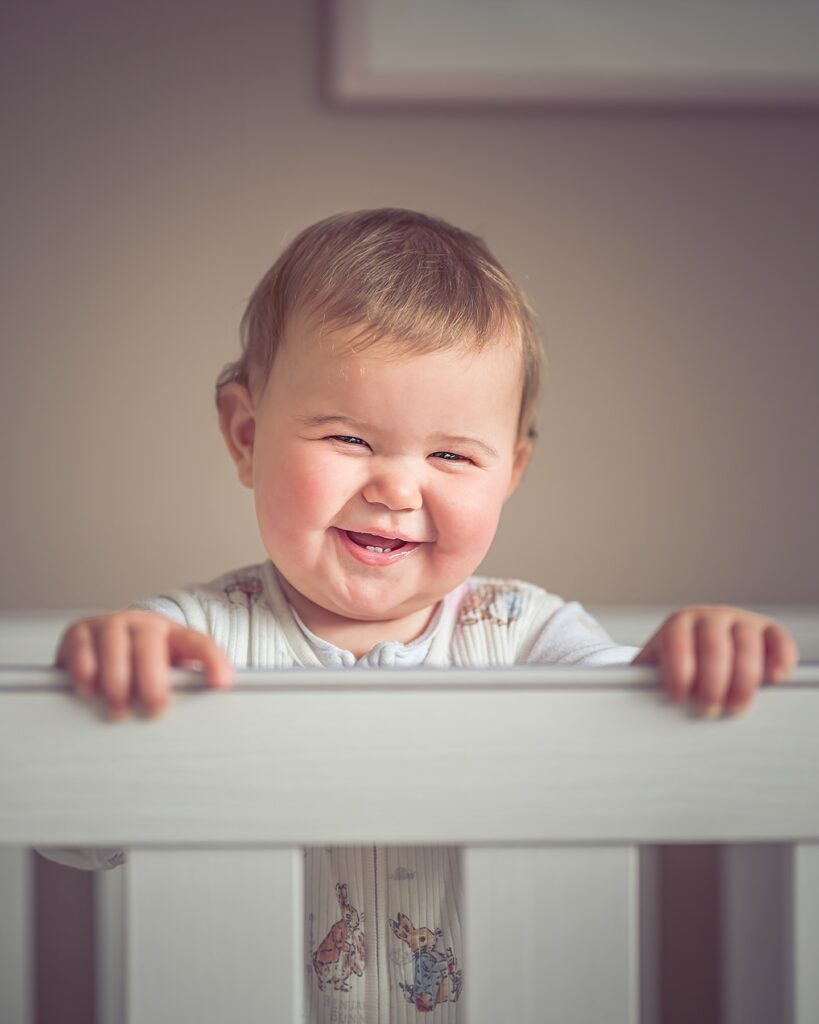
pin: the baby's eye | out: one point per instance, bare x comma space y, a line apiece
450, 457
345, 439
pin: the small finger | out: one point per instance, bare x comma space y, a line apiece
677, 657
748, 670
149, 657
714, 644
189, 645
113, 651
781, 653
76, 655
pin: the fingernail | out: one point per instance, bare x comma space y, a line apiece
712, 711
734, 709
117, 712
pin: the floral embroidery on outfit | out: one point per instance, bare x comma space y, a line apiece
498, 603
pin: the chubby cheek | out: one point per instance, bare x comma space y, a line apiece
466, 527
306, 495
295, 495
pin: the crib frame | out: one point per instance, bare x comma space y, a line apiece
556, 782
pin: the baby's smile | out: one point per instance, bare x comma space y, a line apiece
374, 549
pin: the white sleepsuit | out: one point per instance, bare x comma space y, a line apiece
382, 932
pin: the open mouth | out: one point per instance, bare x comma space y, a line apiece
372, 542
374, 550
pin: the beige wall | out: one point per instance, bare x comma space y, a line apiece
157, 156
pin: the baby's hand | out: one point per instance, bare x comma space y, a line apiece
719, 656
124, 657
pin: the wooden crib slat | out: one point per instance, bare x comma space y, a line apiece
551, 934
214, 935
568, 759
803, 992
565, 764
16, 936
109, 937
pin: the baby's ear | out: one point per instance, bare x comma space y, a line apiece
523, 453
237, 421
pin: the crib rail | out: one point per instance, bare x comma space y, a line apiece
551, 779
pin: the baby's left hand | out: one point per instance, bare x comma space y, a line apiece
719, 656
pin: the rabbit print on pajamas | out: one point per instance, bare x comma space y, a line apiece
343, 951
437, 978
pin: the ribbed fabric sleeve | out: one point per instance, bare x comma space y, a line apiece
248, 616
499, 621
574, 637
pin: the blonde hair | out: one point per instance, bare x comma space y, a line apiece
391, 274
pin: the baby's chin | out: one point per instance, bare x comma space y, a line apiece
370, 612
357, 604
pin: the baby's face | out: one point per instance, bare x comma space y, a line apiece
379, 482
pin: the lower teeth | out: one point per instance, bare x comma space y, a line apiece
381, 551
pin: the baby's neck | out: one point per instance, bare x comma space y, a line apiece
356, 635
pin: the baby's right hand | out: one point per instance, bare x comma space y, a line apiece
125, 656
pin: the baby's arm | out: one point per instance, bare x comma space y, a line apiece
572, 636
719, 656
124, 657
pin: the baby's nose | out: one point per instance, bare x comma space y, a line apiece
398, 491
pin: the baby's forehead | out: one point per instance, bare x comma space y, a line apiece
310, 331
363, 380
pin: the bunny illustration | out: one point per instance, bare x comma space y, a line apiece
437, 978
343, 951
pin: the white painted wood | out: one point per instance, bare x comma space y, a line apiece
802, 1003
552, 934
213, 936
109, 934
576, 756
755, 911
585, 756
16, 936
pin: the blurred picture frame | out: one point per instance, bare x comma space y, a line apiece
572, 52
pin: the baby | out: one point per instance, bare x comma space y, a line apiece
382, 411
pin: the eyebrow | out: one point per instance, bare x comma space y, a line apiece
445, 439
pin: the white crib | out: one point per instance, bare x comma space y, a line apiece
557, 783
